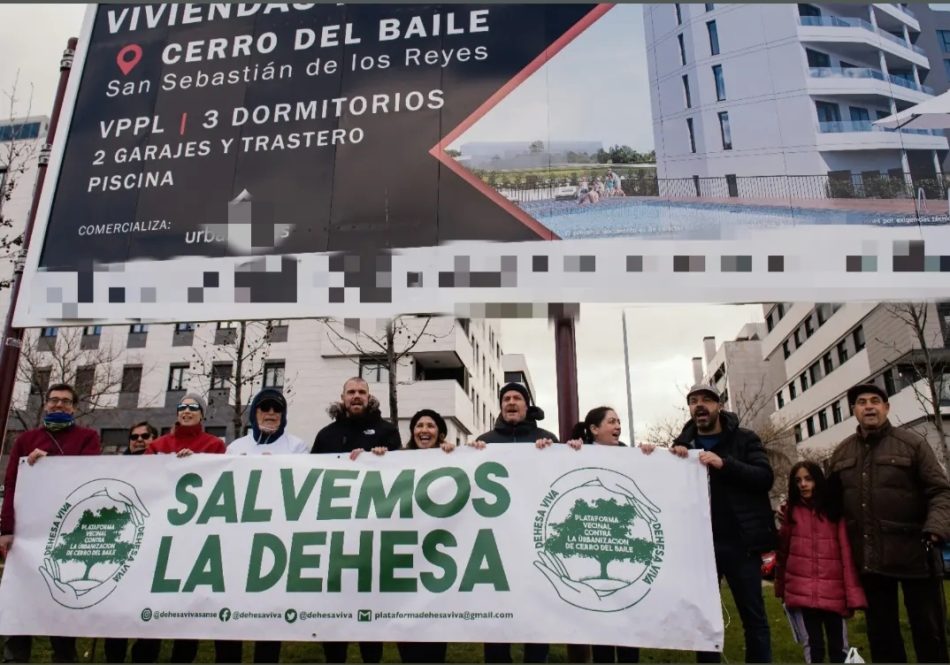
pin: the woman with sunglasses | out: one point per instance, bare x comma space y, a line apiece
188, 436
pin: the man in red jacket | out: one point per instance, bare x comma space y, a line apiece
59, 435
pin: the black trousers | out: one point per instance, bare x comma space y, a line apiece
500, 652
743, 572
422, 652
608, 654
926, 612
824, 627
232, 651
19, 648
143, 650
335, 652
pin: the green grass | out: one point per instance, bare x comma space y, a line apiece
784, 650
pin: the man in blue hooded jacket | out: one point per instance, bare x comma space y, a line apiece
267, 417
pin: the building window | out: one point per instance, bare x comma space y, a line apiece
842, 352
686, 96
85, 381
822, 421
809, 328
184, 327
679, 13
779, 400
858, 335
176, 377
374, 370
227, 325
943, 38
798, 433
781, 310
792, 394
836, 412
804, 381
823, 312
808, 10
817, 59
49, 332
136, 328
859, 114
814, 372
221, 375
827, 362
785, 350
769, 323
720, 82
797, 336
692, 136
131, 379
682, 43
889, 386
946, 67
810, 425
274, 374
710, 6
828, 112
39, 382
943, 315
713, 37
92, 330
725, 131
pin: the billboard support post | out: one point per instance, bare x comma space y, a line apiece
13, 337
565, 353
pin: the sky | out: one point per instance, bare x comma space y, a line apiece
662, 338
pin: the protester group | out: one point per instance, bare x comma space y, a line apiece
845, 539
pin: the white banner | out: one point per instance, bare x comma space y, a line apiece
509, 544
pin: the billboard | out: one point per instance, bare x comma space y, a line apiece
273, 161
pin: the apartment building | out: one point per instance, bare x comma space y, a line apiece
935, 41
826, 348
744, 378
742, 90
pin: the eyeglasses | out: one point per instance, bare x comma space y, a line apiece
271, 406
59, 401
188, 407
140, 437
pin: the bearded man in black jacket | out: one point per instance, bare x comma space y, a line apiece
743, 523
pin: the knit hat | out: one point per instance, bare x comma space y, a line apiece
198, 399
436, 417
518, 387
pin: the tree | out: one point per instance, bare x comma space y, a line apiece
923, 360
595, 526
16, 159
95, 539
454, 154
536, 147
233, 358
389, 347
93, 366
623, 154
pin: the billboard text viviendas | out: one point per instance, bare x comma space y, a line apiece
313, 560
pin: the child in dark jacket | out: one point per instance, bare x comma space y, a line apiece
815, 575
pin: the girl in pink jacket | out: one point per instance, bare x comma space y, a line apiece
815, 575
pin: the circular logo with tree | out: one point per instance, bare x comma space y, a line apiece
93, 540
599, 540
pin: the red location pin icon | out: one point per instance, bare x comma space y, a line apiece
128, 57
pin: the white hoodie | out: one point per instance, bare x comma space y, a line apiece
287, 444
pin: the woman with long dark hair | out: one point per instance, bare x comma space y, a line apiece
815, 575
601, 427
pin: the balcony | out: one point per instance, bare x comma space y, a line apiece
864, 26
867, 73
842, 126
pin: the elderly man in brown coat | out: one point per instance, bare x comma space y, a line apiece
896, 503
